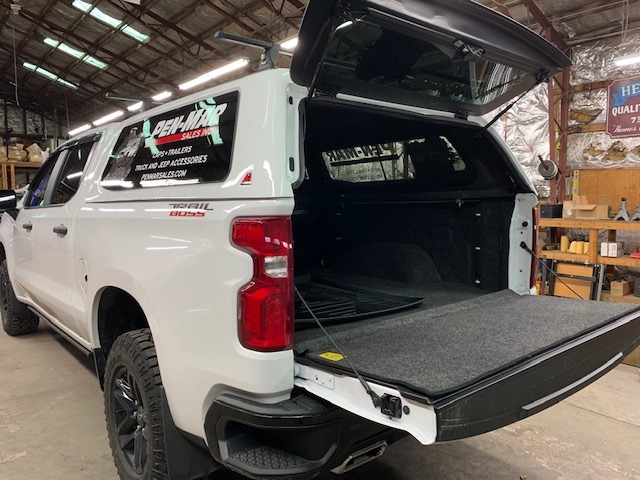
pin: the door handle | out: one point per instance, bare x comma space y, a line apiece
60, 230
27, 226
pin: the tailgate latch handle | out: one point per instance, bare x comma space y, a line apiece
391, 405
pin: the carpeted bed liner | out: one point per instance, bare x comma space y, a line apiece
436, 351
435, 293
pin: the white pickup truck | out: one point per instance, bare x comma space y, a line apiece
285, 273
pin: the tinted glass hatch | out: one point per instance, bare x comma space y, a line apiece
448, 55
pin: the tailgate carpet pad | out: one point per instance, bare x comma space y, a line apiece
439, 350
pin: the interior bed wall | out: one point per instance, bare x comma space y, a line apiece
468, 244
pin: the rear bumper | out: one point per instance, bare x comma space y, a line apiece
537, 383
295, 439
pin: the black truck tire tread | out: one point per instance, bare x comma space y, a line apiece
16, 317
138, 350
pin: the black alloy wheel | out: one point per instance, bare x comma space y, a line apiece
133, 407
131, 417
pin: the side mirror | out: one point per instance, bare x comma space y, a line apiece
7, 200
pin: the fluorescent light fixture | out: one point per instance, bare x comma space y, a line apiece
63, 47
41, 71
85, 7
135, 107
133, 33
230, 67
111, 21
94, 62
108, 118
628, 60
48, 74
70, 51
66, 84
161, 96
51, 42
108, 19
289, 44
96, 13
78, 130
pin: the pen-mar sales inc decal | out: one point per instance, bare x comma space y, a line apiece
623, 112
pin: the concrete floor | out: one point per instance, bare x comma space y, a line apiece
52, 427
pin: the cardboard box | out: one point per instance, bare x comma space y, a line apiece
19, 155
567, 209
621, 288
583, 210
604, 249
616, 249
611, 249
35, 157
549, 210
34, 149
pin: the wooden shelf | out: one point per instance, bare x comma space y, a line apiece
624, 261
594, 248
588, 224
593, 258
631, 298
8, 172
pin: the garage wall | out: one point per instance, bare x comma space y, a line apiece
596, 63
525, 128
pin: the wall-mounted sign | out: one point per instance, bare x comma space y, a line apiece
623, 113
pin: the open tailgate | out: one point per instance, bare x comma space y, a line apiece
471, 367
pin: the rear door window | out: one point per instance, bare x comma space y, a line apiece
36, 195
58, 180
191, 144
71, 173
419, 158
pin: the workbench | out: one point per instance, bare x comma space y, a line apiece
593, 256
8, 172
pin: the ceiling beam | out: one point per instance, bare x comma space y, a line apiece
269, 5
552, 34
29, 76
146, 10
84, 91
237, 21
96, 47
594, 8
75, 62
602, 33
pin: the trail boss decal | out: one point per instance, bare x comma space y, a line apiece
189, 209
191, 144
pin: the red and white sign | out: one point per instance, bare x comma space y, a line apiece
623, 112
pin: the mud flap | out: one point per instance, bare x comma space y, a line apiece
184, 459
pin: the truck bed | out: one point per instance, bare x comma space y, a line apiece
456, 338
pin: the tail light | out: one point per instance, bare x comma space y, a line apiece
534, 247
265, 306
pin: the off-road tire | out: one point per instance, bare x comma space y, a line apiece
16, 317
134, 424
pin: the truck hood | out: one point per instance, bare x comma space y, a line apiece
448, 55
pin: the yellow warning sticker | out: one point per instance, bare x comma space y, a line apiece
334, 357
